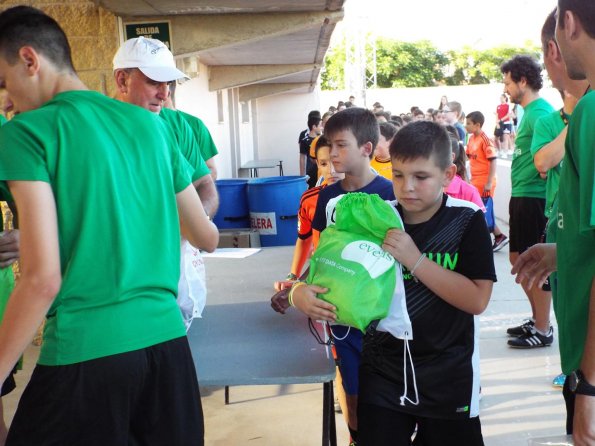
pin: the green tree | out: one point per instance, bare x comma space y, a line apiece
333, 73
470, 66
407, 64
420, 64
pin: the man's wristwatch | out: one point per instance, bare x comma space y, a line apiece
579, 385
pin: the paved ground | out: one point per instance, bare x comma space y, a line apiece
518, 402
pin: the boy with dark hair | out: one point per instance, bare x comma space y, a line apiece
381, 161
115, 366
306, 241
522, 82
315, 130
446, 250
483, 161
353, 134
304, 156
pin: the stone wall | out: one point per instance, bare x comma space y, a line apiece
93, 35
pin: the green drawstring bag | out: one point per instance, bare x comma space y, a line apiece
349, 261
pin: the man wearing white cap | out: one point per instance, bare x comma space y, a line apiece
143, 70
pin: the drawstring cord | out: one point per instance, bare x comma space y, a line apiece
407, 352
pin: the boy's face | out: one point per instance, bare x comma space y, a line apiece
418, 186
381, 151
471, 127
347, 156
325, 166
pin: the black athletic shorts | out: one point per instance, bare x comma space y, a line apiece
146, 397
527, 222
379, 426
8, 385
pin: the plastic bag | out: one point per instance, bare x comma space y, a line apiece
192, 287
349, 261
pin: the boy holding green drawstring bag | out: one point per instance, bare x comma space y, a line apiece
429, 377
353, 134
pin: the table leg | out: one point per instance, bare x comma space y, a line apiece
329, 431
226, 395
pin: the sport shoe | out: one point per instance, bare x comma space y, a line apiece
522, 329
559, 380
533, 339
499, 242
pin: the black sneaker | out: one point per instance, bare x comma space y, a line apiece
499, 242
533, 339
522, 329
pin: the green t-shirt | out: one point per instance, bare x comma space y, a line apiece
525, 178
202, 135
576, 234
547, 128
186, 141
114, 169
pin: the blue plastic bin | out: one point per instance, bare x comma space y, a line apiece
274, 203
233, 204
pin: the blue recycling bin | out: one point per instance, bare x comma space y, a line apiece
274, 204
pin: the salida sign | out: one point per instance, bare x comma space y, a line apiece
151, 30
264, 222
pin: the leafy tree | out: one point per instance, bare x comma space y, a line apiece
405, 64
472, 66
333, 72
420, 64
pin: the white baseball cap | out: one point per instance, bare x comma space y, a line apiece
150, 56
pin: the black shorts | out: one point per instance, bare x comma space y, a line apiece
8, 385
144, 397
378, 426
527, 222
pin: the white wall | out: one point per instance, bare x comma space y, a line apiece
195, 98
280, 119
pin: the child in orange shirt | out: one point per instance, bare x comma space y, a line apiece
483, 160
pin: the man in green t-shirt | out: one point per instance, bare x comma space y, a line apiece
99, 259
572, 255
143, 70
522, 82
550, 133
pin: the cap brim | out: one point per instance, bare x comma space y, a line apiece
163, 74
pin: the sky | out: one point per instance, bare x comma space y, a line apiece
449, 24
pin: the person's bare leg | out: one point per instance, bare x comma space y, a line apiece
542, 301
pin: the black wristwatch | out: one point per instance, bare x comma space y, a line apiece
579, 385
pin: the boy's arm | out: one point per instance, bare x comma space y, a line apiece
300, 255
194, 223
471, 296
487, 188
40, 270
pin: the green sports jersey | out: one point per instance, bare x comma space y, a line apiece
547, 128
186, 141
525, 178
576, 234
114, 169
202, 135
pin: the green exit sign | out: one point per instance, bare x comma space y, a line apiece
151, 30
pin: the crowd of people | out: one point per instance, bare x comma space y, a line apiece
115, 366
